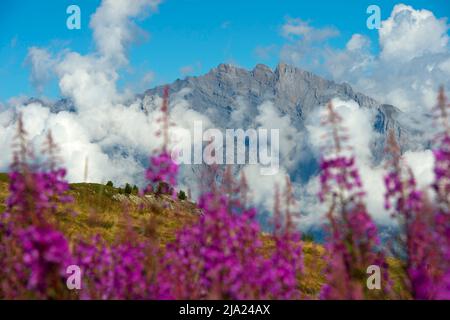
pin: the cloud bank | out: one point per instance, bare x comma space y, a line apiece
411, 64
111, 131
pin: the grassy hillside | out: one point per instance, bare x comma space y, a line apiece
3, 190
103, 210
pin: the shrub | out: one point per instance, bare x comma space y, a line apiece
182, 195
128, 189
164, 188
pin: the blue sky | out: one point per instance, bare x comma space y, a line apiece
193, 34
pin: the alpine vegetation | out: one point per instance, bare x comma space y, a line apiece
221, 252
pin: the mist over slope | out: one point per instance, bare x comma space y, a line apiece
292, 100
233, 97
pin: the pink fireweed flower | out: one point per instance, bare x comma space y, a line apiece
339, 172
353, 242
35, 194
285, 266
442, 157
287, 256
35, 191
421, 245
441, 187
162, 169
219, 257
34, 252
46, 255
212, 258
119, 271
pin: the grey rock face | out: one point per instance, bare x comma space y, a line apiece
293, 91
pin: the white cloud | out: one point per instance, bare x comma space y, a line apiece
295, 27
360, 135
422, 165
413, 60
190, 69
88, 81
42, 63
411, 64
186, 70
262, 187
410, 33
265, 52
113, 28
240, 111
445, 66
305, 43
148, 78
291, 140
356, 121
351, 63
357, 42
113, 135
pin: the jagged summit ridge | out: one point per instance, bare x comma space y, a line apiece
293, 91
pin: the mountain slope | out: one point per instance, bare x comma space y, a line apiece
231, 97
293, 91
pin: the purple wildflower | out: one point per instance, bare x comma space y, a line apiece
33, 252
162, 169
219, 257
353, 242
419, 243
119, 271
46, 255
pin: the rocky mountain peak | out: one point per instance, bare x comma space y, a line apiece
281, 68
262, 73
293, 91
